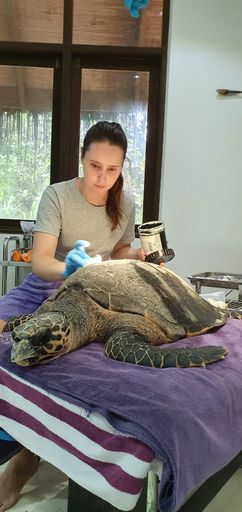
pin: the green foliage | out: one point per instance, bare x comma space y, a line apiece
24, 162
25, 149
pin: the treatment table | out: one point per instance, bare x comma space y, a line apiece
107, 424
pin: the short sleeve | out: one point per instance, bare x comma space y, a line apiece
49, 218
129, 234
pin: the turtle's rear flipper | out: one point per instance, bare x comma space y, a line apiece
136, 351
14, 321
187, 357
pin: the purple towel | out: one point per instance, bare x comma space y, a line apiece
191, 418
27, 297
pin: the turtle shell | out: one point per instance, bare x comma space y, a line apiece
151, 291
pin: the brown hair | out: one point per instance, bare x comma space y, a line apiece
114, 134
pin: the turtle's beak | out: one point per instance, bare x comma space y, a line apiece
23, 354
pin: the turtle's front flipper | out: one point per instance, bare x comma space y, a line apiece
14, 321
131, 348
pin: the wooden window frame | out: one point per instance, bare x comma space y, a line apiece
67, 60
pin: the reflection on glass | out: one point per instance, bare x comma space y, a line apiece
113, 25
25, 139
120, 96
26, 20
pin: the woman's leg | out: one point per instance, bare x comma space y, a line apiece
18, 471
2, 323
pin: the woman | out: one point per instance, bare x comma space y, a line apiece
94, 208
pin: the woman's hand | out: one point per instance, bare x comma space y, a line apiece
126, 251
76, 258
141, 256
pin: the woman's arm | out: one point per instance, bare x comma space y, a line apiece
44, 264
122, 251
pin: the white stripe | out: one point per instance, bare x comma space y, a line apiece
77, 470
128, 462
94, 417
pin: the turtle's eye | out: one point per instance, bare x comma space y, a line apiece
16, 339
42, 337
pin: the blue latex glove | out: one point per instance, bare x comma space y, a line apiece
134, 5
76, 258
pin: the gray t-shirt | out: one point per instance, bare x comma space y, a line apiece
64, 213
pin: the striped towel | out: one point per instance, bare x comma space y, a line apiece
82, 444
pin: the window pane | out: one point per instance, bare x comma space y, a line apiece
120, 96
25, 20
25, 139
112, 24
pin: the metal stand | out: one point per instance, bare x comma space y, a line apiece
5, 260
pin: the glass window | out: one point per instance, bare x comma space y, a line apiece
25, 139
112, 24
35, 21
120, 96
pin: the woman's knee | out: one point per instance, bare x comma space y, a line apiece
2, 324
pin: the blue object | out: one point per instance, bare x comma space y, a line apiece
76, 258
134, 5
4, 436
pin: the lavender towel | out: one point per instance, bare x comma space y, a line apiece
27, 297
191, 418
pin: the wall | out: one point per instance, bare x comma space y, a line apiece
201, 193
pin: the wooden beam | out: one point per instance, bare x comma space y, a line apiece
14, 35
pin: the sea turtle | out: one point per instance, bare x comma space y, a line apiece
130, 306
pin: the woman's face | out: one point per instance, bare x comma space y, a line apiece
102, 165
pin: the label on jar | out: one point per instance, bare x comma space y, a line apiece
151, 243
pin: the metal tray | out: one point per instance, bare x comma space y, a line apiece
217, 280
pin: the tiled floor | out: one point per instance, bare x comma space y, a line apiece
229, 499
47, 492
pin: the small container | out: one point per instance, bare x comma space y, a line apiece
153, 240
28, 241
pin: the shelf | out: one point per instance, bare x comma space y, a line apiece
10, 263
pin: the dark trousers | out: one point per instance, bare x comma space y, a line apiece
8, 447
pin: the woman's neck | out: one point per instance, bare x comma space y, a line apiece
89, 195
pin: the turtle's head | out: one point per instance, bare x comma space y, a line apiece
45, 336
